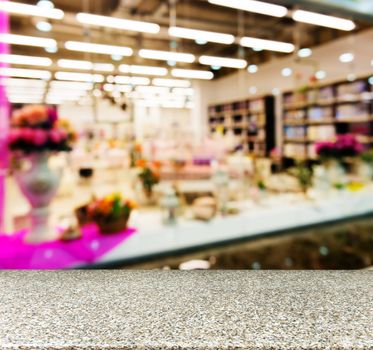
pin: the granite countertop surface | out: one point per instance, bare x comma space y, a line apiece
186, 310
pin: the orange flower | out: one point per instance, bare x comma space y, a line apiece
141, 163
138, 148
130, 203
157, 164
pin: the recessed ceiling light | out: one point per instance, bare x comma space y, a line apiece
257, 49
171, 63
52, 49
116, 57
276, 91
215, 67
320, 74
287, 72
305, 52
200, 42
346, 57
43, 26
253, 68
370, 80
351, 77
253, 90
45, 3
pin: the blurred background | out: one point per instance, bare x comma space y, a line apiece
189, 134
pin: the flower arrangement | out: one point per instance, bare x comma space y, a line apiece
111, 213
135, 154
149, 175
345, 145
38, 129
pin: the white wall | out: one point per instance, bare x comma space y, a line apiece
236, 86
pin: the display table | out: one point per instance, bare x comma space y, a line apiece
276, 214
155, 310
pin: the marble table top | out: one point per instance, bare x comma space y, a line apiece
186, 310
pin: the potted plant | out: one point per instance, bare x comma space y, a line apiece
111, 213
334, 155
148, 177
35, 133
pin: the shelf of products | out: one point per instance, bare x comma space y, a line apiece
252, 122
321, 113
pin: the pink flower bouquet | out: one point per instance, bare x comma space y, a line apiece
345, 145
37, 129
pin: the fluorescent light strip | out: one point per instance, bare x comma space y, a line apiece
253, 6
143, 70
31, 94
84, 77
30, 10
118, 23
98, 48
223, 62
192, 74
323, 20
183, 91
167, 56
85, 65
171, 82
117, 88
132, 80
13, 82
15, 39
152, 89
25, 73
26, 60
172, 104
194, 34
55, 84
270, 45
123, 88
25, 100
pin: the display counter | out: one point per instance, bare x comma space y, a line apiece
155, 310
273, 215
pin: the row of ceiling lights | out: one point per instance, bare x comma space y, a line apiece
45, 9
57, 92
140, 26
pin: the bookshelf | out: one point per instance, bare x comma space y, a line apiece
251, 121
322, 112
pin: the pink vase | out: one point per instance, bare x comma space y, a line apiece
39, 185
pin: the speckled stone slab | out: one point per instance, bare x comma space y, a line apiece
186, 310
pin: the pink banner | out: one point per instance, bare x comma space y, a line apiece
4, 120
